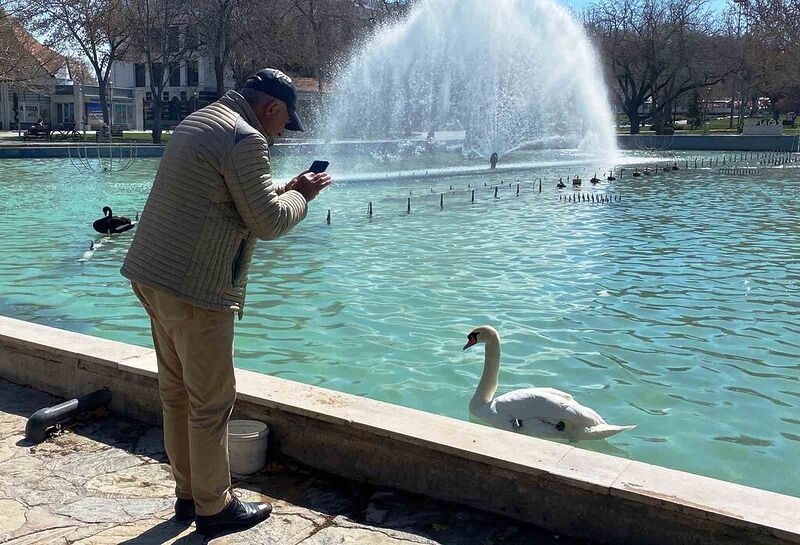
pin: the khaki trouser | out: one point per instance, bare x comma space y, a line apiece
194, 349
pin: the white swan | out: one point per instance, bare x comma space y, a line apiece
539, 412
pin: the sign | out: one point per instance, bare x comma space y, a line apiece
762, 127
94, 113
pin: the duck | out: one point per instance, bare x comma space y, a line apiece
636, 173
675, 166
536, 412
110, 223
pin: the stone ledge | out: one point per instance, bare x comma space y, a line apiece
556, 486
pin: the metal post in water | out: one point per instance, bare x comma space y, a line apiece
517, 190
369, 209
408, 207
328, 219
495, 192
441, 201
540, 185
472, 199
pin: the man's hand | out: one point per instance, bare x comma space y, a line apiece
309, 184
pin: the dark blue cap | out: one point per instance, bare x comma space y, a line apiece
277, 84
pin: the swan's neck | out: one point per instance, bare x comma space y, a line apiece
491, 368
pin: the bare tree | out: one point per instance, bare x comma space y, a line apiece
772, 53
217, 22
159, 38
656, 51
94, 27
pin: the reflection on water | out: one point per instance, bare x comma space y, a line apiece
675, 310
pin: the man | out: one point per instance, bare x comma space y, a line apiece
213, 196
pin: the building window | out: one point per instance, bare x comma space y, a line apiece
175, 75
158, 73
148, 96
65, 112
192, 74
190, 39
138, 73
173, 40
165, 96
183, 95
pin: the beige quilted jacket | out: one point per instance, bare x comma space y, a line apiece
213, 196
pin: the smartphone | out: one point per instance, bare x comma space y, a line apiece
318, 166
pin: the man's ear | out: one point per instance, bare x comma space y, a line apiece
269, 108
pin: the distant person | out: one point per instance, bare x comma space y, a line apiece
39, 124
212, 198
493, 160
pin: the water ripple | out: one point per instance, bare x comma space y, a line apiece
675, 310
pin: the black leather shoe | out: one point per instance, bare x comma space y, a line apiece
238, 515
184, 510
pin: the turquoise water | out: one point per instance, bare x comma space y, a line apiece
675, 310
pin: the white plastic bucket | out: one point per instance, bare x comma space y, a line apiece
247, 445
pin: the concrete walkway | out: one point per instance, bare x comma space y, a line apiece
105, 481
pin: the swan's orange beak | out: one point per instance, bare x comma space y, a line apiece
472, 341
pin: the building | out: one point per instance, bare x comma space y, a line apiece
40, 86
190, 85
190, 82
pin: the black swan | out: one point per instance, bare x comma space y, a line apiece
112, 224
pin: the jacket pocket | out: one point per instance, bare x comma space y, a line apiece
236, 266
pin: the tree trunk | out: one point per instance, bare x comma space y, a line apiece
219, 74
635, 120
754, 104
158, 109
101, 87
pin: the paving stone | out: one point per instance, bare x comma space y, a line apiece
100, 483
151, 442
49, 536
12, 516
277, 530
79, 466
8, 446
51, 491
145, 533
118, 510
143, 481
18, 472
358, 535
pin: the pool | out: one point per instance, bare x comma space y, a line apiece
675, 309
